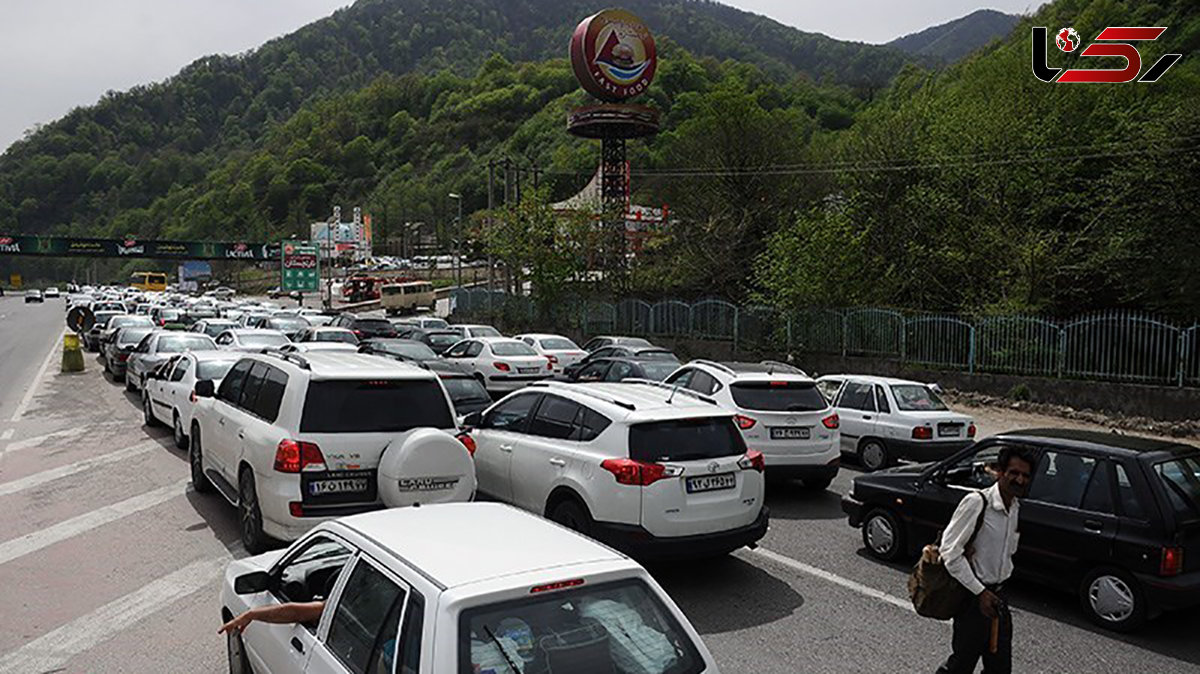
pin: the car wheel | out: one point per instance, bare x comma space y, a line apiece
816, 483
872, 454
572, 516
238, 662
249, 514
148, 410
883, 534
181, 440
196, 461
1113, 599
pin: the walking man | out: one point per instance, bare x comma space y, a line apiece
983, 627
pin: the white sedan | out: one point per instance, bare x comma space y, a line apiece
251, 339
168, 394
502, 364
560, 351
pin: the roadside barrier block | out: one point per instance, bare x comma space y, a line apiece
72, 357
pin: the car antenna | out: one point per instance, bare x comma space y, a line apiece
671, 397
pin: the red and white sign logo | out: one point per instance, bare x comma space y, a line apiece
1112, 41
1067, 40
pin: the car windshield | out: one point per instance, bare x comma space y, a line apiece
181, 343
263, 339
558, 344
132, 335
659, 371
434, 323
631, 341
170, 314
513, 349
620, 626
213, 369
658, 354
374, 406
336, 336
214, 329
917, 398
685, 440
484, 331
414, 350
126, 321
287, 324
444, 340
372, 324
103, 317
1181, 480
778, 396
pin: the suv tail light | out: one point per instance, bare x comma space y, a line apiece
503, 367
744, 422
922, 433
971, 430
467, 441
292, 456
753, 461
637, 473
832, 421
1172, 562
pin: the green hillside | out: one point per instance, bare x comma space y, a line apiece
953, 40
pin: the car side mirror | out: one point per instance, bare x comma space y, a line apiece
251, 583
205, 388
473, 420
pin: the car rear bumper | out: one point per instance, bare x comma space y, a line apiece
828, 470
922, 452
1167, 594
641, 544
854, 510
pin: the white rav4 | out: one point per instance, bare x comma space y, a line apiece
293, 440
463, 587
651, 471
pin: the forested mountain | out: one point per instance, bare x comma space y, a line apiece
953, 40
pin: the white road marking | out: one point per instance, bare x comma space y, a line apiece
7, 435
833, 578
37, 379
54, 649
32, 542
37, 479
70, 433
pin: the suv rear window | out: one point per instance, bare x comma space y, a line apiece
610, 627
778, 396
373, 324
378, 406
685, 440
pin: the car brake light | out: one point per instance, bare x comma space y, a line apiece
922, 433
292, 456
1172, 562
552, 359
468, 442
778, 383
637, 473
560, 585
744, 422
296, 508
971, 430
832, 421
192, 397
753, 461
503, 367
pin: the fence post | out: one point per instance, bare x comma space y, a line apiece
735, 332
971, 353
787, 347
1182, 357
904, 341
845, 333
1062, 350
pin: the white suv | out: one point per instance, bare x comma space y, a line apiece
478, 587
780, 412
652, 471
292, 440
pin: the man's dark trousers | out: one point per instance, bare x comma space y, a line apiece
972, 634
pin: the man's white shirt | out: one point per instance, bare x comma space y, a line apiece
994, 544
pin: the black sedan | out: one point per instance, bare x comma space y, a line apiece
637, 352
620, 369
438, 340
1113, 518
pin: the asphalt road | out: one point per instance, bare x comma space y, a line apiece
109, 562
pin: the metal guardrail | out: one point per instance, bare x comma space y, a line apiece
1118, 345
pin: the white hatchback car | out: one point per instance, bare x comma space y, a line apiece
409, 591
885, 419
655, 472
560, 351
502, 364
168, 395
292, 440
780, 412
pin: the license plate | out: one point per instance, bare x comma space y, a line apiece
340, 486
949, 430
785, 433
710, 482
529, 370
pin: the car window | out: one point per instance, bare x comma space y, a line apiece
594, 371
458, 350
554, 418
556, 344
619, 626
857, 396
594, 343
685, 440
270, 395
1061, 478
213, 369
375, 406
181, 369
512, 349
484, 331
474, 349
309, 574
231, 385
250, 387
976, 470
703, 382
682, 378
619, 370
881, 401
1180, 479
1131, 506
1098, 497
917, 398
225, 339
589, 425
512, 414
410, 636
778, 396
358, 631
657, 371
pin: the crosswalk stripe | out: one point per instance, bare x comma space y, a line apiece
32, 542
37, 479
57, 436
54, 649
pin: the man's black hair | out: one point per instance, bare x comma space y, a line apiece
1010, 452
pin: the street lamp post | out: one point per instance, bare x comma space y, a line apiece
458, 236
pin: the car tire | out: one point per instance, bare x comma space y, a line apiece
239, 663
816, 483
1113, 599
148, 411
200, 481
572, 516
873, 454
181, 440
883, 535
249, 514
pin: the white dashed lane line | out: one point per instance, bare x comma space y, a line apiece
38, 479
37, 380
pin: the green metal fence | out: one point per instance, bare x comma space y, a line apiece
1125, 346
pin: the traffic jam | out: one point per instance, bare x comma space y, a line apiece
366, 458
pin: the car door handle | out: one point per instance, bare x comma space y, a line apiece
297, 644
506, 448
558, 462
241, 435
221, 421
866, 417
1093, 526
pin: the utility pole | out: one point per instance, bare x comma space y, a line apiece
487, 225
458, 237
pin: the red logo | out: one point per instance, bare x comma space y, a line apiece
1112, 41
240, 247
613, 55
130, 243
6, 240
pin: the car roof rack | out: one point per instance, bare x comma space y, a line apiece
673, 388
293, 357
714, 364
584, 391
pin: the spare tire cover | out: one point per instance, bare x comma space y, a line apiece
428, 466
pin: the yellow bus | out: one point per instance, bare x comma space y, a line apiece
151, 281
397, 298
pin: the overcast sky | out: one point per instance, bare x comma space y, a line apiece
58, 54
